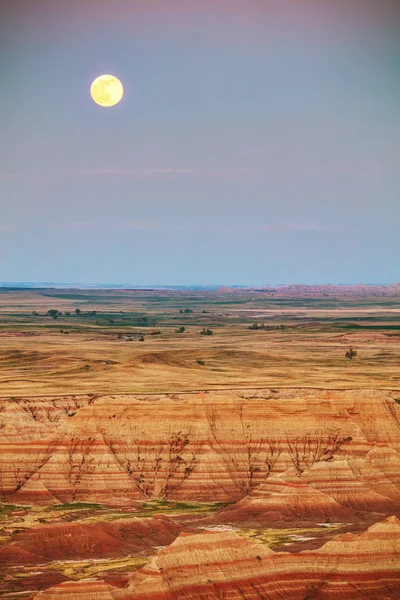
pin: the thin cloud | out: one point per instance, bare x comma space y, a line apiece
133, 172
317, 227
136, 225
149, 226
116, 225
137, 173
98, 172
79, 225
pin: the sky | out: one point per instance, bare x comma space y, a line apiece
257, 142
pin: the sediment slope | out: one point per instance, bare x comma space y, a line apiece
217, 565
207, 446
338, 490
66, 541
76, 590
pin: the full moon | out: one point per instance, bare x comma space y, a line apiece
106, 90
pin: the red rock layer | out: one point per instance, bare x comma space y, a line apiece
212, 566
76, 590
227, 439
285, 498
339, 490
223, 565
67, 541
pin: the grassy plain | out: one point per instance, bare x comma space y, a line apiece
303, 343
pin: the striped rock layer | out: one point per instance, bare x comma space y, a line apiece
216, 446
224, 565
78, 541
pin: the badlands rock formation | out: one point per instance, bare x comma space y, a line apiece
75, 590
67, 541
204, 447
341, 490
278, 458
211, 566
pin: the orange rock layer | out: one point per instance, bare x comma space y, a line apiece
68, 541
215, 566
217, 446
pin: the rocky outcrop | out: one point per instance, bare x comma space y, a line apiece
76, 590
68, 541
338, 490
284, 499
219, 565
216, 446
35, 418
223, 565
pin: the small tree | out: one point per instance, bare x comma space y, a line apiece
77, 311
350, 354
180, 330
206, 332
141, 339
54, 313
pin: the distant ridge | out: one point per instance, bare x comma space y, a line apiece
388, 289
27, 285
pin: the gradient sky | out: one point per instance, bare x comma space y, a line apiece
257, 142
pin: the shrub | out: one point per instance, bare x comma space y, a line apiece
180, 330
350, 354
206, 332
257, 326
141, 339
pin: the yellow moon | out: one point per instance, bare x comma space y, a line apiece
106, 90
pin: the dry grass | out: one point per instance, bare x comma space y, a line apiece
77, 570
292, 536
36, 359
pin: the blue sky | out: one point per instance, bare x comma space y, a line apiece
257, 142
